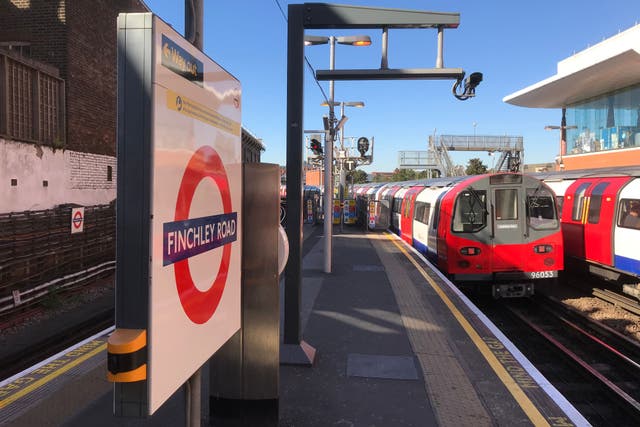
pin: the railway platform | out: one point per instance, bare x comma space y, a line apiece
397, 345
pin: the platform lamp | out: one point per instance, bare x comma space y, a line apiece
563, 134
328, 155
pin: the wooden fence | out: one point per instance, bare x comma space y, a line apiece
39, 255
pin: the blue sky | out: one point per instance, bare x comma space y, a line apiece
513, 43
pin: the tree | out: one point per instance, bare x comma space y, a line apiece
435, 173
403, 175
475, 167
357, 176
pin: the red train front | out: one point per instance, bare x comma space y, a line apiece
501, 229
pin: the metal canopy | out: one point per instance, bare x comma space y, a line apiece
392, 74
329, 16
323, 15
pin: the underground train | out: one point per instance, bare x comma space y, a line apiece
600, 219
500, 229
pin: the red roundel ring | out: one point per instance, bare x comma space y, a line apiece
77, 219
199, 306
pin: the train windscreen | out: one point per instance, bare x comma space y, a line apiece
541, 209
470, 213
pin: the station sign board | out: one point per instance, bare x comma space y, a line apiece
195, 199
77, 220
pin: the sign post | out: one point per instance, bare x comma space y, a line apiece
179, 213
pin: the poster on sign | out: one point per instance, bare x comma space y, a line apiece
196, 209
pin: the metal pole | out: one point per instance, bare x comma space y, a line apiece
295, 94
439, 59
193, 25
328, 166
192, 399
343, 175
193, 22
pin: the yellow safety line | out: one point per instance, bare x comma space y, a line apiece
39, 383
527, 406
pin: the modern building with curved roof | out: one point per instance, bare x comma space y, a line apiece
598, 92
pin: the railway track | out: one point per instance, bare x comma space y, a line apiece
629, 304
596, 368
33, 351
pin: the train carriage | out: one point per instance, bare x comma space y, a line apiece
598, 211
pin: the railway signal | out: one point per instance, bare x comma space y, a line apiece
363, 145
316, 145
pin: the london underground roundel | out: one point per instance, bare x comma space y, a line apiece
186, 237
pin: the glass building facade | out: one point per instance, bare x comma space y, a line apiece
609, 122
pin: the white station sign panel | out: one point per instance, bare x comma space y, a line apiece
196, 207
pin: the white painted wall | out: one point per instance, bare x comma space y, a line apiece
73, 177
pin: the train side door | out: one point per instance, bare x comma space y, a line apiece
601, 199
406, 225
573, 212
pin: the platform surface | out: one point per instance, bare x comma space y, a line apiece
397, 345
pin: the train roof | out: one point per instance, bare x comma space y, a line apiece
586, 173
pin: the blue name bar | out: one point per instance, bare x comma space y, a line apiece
181, 62
184, 239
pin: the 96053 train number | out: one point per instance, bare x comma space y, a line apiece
542, 274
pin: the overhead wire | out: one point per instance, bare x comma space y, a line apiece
306, 60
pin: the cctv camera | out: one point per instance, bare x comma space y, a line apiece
470, 85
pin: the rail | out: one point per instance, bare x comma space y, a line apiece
617, 300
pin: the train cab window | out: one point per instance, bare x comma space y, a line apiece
422, 212
540, 209
629, 214
593, 215
506, 204
469, 214
578, 202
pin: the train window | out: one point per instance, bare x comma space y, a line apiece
542, 214
629, 213
436, 213
560, 204
578, 202
469, 214
506, 204
423, 210
397, 203
593, 216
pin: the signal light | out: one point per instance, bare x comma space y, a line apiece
363, 145
316, 147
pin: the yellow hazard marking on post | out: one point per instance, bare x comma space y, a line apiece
512, 385
195, 110
42, 381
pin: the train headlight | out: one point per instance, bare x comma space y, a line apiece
470, 250
542, 249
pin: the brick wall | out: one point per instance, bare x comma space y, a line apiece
92, 66
91, 171
40, 23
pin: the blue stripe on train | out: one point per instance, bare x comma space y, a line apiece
424, 249
628, 265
